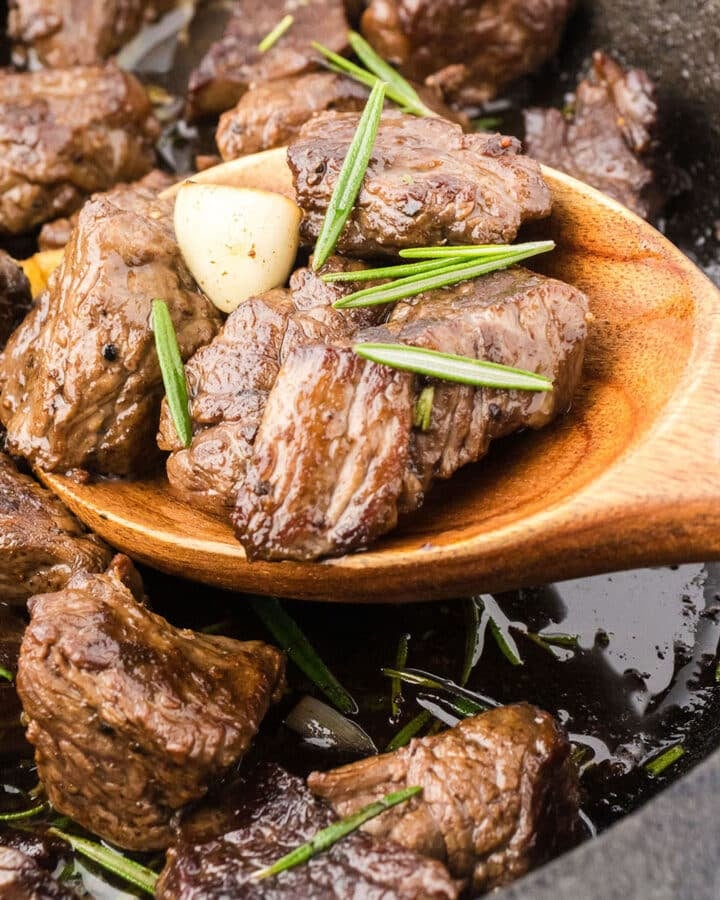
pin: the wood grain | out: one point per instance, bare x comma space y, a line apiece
630, 477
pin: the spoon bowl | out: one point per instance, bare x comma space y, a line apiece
629, 477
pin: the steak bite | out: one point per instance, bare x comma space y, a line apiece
15, 297
514, 317
468, 49
22, 878
42, 545
80, 383
427, 183
328, 462
605, 136
267, 813
66, 133
229, 381
235, 63
131, 718
75, 32
499, 796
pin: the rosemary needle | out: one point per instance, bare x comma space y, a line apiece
277, 32
658, 765
473, 250
449, 367
172, 369
413, 268
325, 839
351, 176
127, 869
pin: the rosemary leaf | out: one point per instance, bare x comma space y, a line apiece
288, 634
172, 369
507, 645
23, 814
422, 414
111, 861
435, 682
658, 765
448, 275
6, 674
449, 367
325, 839
351, 176
377, 65
396, 684
416, 268
473, 250
487, 123
566, 641
274, 36
408, 732
475, 628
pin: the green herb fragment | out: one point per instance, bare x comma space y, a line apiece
408, 732
288, 634
487, 123
567, 641
422, 414
473, 250
351, 176
410, 99
658, 765
449, 367
416, 268
111, 861
6, 674
325, 839
172, 369
507, 645
274, 36
447, 274
477, 702
396, 685
500, 627
23, 814
475, 628
717, 673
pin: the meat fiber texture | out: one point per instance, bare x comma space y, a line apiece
266, 813
66, 133
132, 718
80, 381
499, 794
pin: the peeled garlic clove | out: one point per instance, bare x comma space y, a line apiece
266, 171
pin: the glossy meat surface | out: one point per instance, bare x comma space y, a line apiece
66, 133
132, 718
468, 48
42, 545
605, 135
499, 794
21, 878
15, 299
80, 383
230, 380
77, 32
234, 63
427, 183
267, 814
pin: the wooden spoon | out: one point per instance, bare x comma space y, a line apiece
630, 477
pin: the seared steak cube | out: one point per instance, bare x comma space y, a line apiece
77, 32
42, 545
469, 49
235, 63
66, 133
605, 134
15, 299
499, 794
21, 878
131, 718
264, 815
427, 183
80, 382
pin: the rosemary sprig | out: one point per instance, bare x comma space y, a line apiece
277, 32
351, 176
446, 274
422, 414
450, 367
475, 628
414, 268
396, 685
325, 839
172, 369
24, 814
658, 765
408, 732
6, 674
402, 97
409, 97
288, 634
111, 860
473, 250
479, 702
